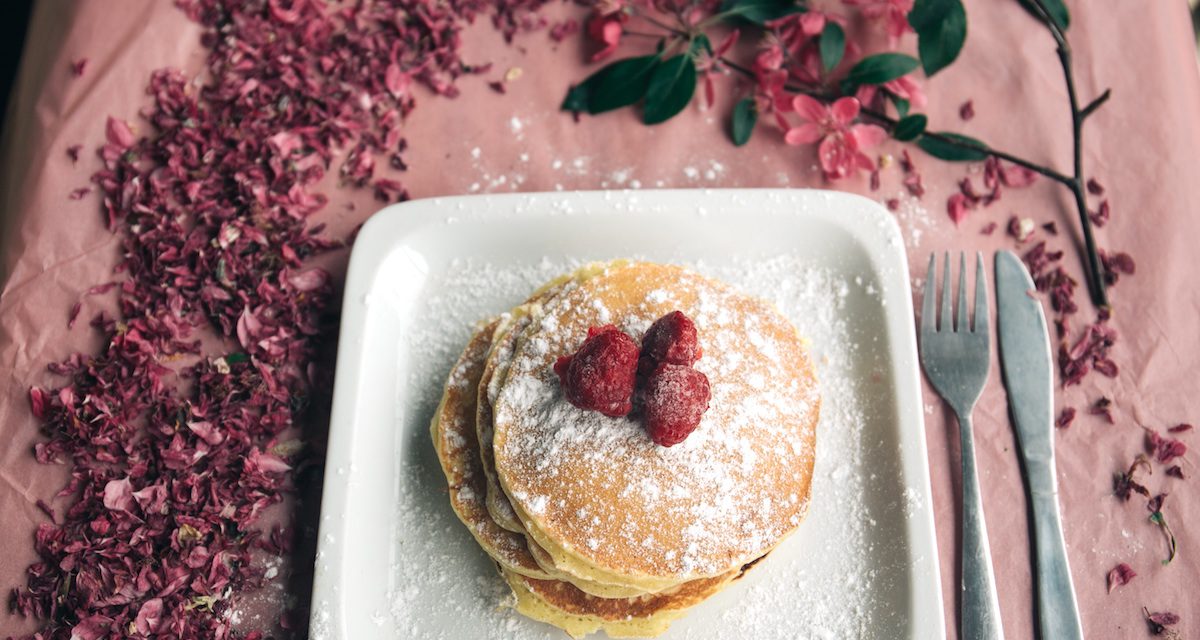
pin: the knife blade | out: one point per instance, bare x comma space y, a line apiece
1026, 364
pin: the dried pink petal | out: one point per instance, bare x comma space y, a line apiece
1020, 228
562, 30
397, 81
1163, 449
1065, 418
1094, 187
1175, 471
913, 183
149, 617
1120, 576
73, 152
78, 66
1105, 367
37, 401
967, 110
1125, 485
1051, 228
989, 228
1160, 621
118, 495
956, 206
1180, 428
1100, 216
119, 134
1016, 176
1103, 407
80, 193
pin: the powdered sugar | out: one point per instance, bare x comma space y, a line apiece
843, 575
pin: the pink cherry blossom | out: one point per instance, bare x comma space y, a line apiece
893, 13
841, 140
606, 29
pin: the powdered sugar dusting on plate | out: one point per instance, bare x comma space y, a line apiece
837, 577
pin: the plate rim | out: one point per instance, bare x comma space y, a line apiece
872, 226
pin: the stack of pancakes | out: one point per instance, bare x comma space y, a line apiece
592, 524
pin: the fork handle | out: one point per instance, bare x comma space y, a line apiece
979, 617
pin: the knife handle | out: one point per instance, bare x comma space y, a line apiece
1058, 612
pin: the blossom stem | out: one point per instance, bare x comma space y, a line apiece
1032, 166
1095, 104
1095, 274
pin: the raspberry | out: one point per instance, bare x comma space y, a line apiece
600, 376
674, 399
670, 340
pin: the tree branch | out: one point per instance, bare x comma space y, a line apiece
1095, 273
1095, 104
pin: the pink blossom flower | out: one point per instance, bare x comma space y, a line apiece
606, 29
812, 23
893, 13
842, 142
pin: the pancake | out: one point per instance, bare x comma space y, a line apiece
610, 506
498, 356
453, 432
498, 505
577, 613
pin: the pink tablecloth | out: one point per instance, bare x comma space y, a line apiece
1142, 145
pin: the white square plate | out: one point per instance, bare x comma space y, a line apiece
394, 562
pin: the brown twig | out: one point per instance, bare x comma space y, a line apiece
1076, 184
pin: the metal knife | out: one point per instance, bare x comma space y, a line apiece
1025, 360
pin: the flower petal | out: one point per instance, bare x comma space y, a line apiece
809, 108
845, 110
868, 135
812, 23
806, 133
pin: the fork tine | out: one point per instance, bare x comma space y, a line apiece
947, 303
981, 296
964, 320
929, 297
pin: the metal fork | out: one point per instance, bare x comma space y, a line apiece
955, 358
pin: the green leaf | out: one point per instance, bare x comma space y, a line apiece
1058, 11
617, 85
759, 11
952, 152
701, 42
235, 358
910, 127
902, 104
941, 27
878, 69
671, 87
833, 45
745, 116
